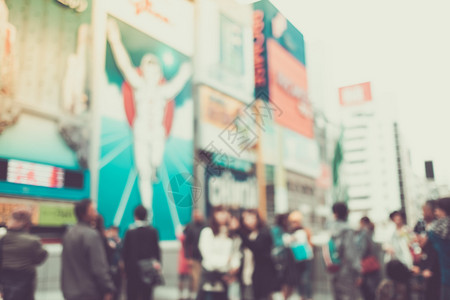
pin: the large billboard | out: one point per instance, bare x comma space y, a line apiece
280, 72
237, 189
225, 126
224, 44
146, 154
44, 97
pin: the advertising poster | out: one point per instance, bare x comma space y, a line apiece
43, 213
44, 95
280, 70
225, 127
146, 154
233, 188
224, 43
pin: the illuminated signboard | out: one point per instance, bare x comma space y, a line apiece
355, 94
34, 174
28, 173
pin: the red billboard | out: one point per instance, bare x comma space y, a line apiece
288, 90
355, 94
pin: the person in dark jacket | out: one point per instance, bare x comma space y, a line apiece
141, 242
283, 257
395, 286
257, 267
439, 236
428, 265
191, 251
22, 253
115, 258
344, 282
111, 248
85, 270
369, 280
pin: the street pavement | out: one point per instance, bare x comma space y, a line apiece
171, 293
168, 293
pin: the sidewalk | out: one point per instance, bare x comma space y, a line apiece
167, 293
171, 293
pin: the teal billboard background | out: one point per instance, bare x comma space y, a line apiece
118, 193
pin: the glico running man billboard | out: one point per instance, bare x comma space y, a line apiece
146, 154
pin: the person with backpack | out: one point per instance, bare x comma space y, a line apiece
299, 242
346, 256
142, 257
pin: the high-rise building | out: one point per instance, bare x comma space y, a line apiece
372, 170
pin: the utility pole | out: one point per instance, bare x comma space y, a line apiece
260, 167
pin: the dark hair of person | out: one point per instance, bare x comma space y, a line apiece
281, 220
397, 271
81, 209
444, 204
366, 221
398, 213
212, 220
340, 209
259, 221
140, 213
432, 204
100, 224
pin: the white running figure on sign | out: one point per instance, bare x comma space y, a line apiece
150, 98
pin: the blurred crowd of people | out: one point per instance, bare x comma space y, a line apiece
418, 258
94, 259
236, 255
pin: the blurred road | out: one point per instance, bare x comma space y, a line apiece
170, 293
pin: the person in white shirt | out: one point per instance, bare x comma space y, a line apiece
220, 258
398, 246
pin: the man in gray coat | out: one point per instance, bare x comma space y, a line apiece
345, 282
85, 271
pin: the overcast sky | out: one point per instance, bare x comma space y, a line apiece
402, 47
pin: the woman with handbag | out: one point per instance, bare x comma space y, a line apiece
220, 260
370, 266
299, 241
257, 267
